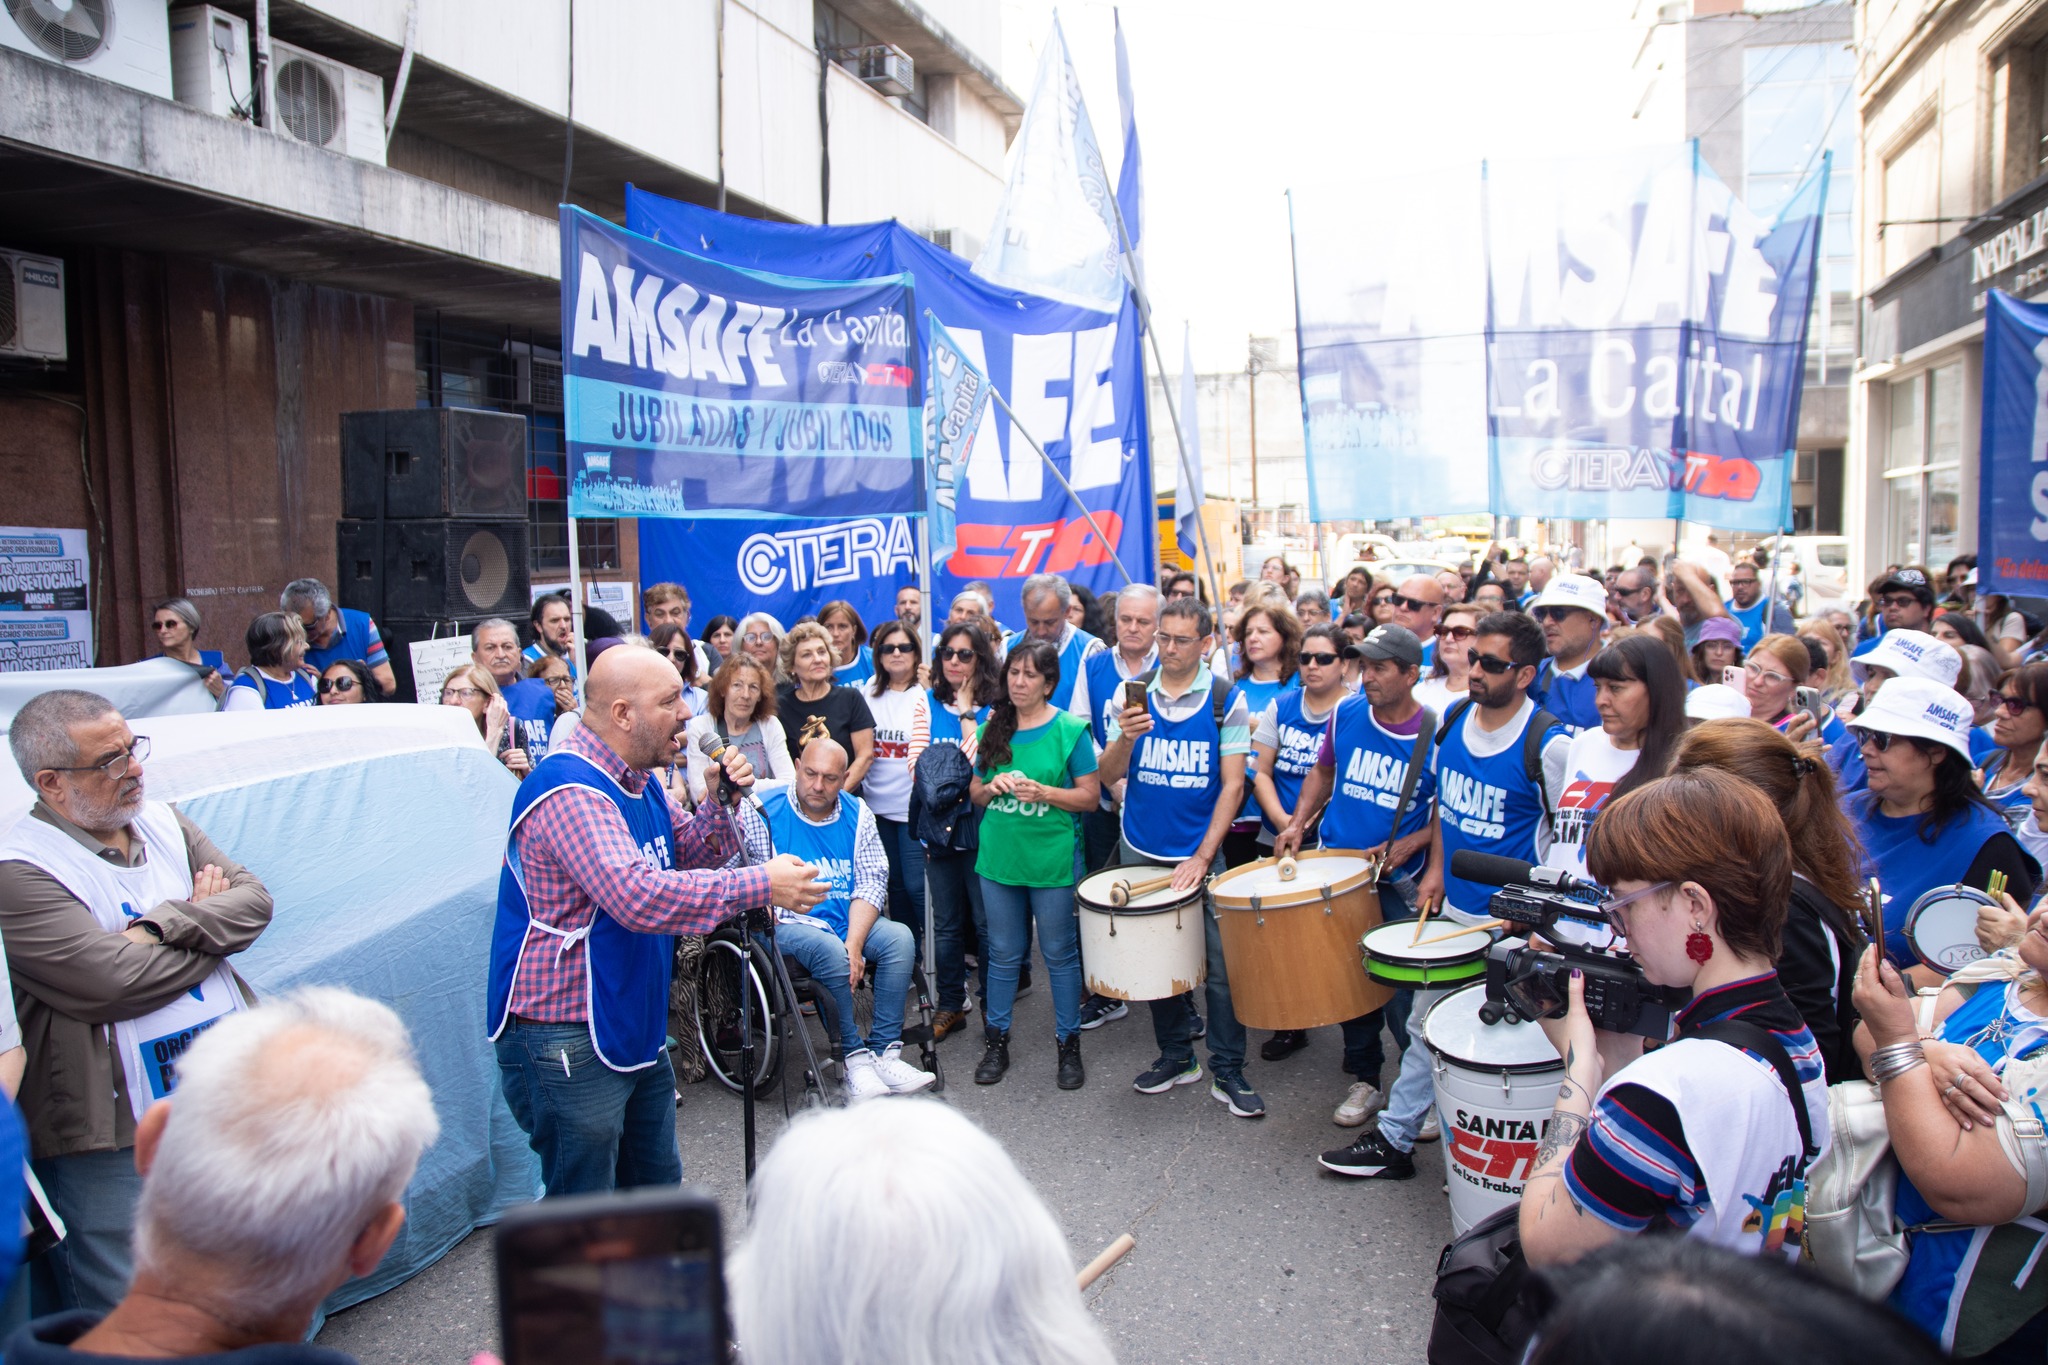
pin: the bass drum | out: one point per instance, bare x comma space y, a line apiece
1291, 946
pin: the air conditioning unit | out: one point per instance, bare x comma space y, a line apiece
31, 307
887, 70
959, 241
210, 67
537, 376
318, 100
124, 41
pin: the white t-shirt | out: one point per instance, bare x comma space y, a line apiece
1591, 768
899, 715
1436, 694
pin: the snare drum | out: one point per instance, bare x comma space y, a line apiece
1291, 946
1152, 948
1444, 958
1495, 1087
1942, 927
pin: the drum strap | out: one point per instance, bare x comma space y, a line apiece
1423, 739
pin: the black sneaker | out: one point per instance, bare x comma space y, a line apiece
1071, 1075
1165, 1074
1242, 1099
1372, 1157
1284, 1044
1098, 1010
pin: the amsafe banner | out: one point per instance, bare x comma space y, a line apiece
1617, 336
2012, 482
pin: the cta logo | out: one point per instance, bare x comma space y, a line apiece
1043, 547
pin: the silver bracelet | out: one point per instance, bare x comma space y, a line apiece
1890, 1063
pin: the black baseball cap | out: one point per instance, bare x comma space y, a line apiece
1912, 581
1388, 642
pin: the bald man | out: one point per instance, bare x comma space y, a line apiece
1418, 606
842, 934
601, 873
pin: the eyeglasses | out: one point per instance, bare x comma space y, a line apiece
1552, 613
1319, 660
958, 656
460, 694
1742, 582
758, 637
344, 686
1880, 740
1457, 632
560, 681
1621, 903
1380, 599
678, 655
1488, 663
899, 647
118, 766
1180, 641
1757, 674
2014, 706
1411, 603
1901, 600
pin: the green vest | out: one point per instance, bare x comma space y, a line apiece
1027, 843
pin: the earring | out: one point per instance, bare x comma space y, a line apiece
1698, 946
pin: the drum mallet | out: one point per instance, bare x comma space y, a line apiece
1288, 869
1120, 893
1111, 1254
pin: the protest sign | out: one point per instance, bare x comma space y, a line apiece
45, 612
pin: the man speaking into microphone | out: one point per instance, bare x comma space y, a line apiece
600, 873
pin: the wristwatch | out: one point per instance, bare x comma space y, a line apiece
150, 927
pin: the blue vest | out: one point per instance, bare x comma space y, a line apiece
859, 671
1906, 867
532, 704
1295, 750
829, 848
627, 971
1488, 805
1073, 658
1569, 699
281, 696
1751, 619
2014, 802
1372, 766
1176, 774
1257, 696
945, 725
1105, 689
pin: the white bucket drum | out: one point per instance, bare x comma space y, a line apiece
1495, 1086
1152, 947
1942, 927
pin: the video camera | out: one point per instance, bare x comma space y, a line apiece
1526, 983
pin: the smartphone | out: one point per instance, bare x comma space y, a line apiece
627, 1279
1736, 678
1134, 692
1809, 700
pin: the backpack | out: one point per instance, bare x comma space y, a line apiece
941, 814
1540, 726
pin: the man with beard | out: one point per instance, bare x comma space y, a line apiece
119, 915
601, 873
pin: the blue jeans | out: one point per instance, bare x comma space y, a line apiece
906, 876
1173, 1025
889, 951
593, 1128
1415, 1087
1009, 910
94, 1193
957, 920
1364, 1053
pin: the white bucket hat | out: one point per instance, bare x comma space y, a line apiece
1716, 701
1573, 590
1912, 654
1922, 708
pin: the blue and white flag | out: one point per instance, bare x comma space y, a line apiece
695, 389
1187, 489
959, 399
1130, 193
2012, 483
1055, 233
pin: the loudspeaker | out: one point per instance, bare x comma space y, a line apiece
445, 569
434, 462
359, 566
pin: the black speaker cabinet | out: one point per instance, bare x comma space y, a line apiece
434, 462
445, 569
359, 566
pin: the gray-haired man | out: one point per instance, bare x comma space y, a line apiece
336, 632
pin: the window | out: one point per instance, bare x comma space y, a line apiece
1800, 103
843, 38
1912, 199
1923, 468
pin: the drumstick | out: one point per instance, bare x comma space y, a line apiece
1130, 889
1288, 870
1111, 1254
1420, 920
1451, 934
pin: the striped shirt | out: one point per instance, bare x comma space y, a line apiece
1635, 1165
577, 854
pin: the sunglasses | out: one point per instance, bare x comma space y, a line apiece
2014, 706
342, 685
678, 655
1552, 613
1458, 633
1320, 660
1406, 603
1488, 663
1901, 600
170, 623
1880, 740
958, 656
900, 647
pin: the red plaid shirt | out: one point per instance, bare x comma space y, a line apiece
576, 854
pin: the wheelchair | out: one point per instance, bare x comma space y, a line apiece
739, 973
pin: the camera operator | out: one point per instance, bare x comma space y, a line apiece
1498, 761
1699, 1136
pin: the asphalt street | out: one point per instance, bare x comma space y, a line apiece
1247, 1250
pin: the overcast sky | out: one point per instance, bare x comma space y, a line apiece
1236, 103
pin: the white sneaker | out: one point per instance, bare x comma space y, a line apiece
1432, 1129
898, 1075
1359, 1104
863, 1080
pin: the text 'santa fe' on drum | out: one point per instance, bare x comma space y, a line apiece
1291, 947
1436, 956
1495, 1086
1150, 948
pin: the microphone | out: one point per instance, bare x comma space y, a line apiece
1491, 869
714, 748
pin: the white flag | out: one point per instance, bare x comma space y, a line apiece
1187, 489
1055, 232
